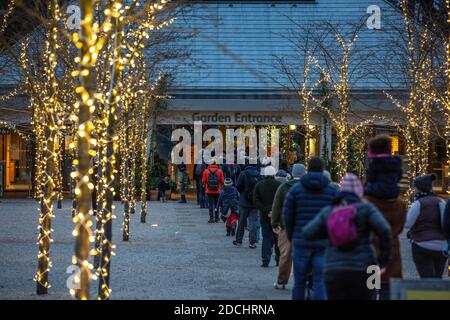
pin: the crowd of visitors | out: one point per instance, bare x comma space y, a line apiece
329, 233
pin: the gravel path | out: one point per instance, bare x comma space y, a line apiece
175, 255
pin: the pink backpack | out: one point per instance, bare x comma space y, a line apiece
341, 226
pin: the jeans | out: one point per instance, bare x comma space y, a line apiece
429, 263
252, 215
258, 230
268, 242
306, 259
348, 285
212, 205
385, 292
201, 195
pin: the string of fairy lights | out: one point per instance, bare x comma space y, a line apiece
446, 100
88, 110
102, 111
340, 117
9, 11
105, 113
418, 110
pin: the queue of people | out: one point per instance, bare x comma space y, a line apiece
327, 233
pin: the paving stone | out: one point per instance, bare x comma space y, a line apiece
175, 255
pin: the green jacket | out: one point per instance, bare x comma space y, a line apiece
277, 207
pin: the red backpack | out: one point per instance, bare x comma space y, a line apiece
341, 226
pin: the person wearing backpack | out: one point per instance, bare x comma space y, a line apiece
247, 180
425, 221
303, 202
348, 224
213, 180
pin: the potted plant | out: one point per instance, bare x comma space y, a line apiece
172, 189
155, 173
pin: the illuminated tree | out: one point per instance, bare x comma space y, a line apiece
49, 84
417, 56
342, 62
297, 72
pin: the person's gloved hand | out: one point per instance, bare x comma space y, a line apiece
224, 218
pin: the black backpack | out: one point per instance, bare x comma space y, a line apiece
213, 180
252, 181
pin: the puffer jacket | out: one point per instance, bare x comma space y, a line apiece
243, 185
228, 194
383, 176
303, 202
368, 220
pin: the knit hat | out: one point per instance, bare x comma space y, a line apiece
281, 173
351, 183
425, 183
228, 182
298, 170
269, 171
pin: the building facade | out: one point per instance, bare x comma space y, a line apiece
232, 79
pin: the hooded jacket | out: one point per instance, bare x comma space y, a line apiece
244, 184
382, 177
303, 202
212, 168
228, 195
368, 219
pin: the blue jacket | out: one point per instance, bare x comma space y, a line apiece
303, 202
229, 195
358, 258
243, 185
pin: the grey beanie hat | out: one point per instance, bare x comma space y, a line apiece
298, 170
281, 173
424, 183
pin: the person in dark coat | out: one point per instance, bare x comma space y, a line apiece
303, 202
163, 186
263, 197
383, 174
183, 181
247, 180
198, 175
425, 221
346, 270
384, 171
